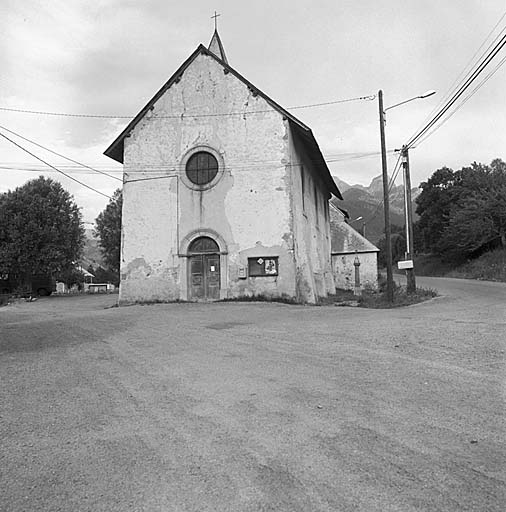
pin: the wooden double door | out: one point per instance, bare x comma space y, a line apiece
204, 270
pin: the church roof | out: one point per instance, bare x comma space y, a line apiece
346, 240
216, 47
302, 131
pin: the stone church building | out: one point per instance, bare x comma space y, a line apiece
225, 194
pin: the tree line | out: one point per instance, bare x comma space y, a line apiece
461, 214
42, 233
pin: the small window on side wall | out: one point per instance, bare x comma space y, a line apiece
263, 266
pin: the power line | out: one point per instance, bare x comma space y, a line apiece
174, 173
462, 103
481, 66
246, 165
52, 166
331, 157
185, 114
466, 70
459, 93
59, 154
390, 186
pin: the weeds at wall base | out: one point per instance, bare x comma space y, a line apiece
284, 299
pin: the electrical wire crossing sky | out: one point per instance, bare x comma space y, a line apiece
95, 66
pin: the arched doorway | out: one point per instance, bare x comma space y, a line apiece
204, 268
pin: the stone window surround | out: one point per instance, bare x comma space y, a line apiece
189, 154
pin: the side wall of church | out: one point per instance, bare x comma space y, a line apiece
314, 277
247, 210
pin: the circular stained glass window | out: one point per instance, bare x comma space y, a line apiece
201, 168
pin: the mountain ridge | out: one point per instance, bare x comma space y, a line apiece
364, 205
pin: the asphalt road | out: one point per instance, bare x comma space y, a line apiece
255, 407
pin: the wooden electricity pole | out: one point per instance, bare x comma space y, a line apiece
386, 202
408, 208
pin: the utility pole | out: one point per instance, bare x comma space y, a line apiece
386, 202
408, 208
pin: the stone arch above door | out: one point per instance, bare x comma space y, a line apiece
203, 244
184, 246
185, 255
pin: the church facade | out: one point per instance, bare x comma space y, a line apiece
225, 194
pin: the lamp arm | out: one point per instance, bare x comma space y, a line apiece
402, 103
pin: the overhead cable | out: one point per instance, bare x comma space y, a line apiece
59, 154
390, 187
255, 165
466, 70
185, 114
53, 167
483, 64
461, 104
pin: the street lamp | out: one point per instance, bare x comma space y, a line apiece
426, 94
410, 274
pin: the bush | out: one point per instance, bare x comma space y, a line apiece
285, 299
379, 299
491, 266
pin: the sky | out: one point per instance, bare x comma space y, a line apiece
109, 57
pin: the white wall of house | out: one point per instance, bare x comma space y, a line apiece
344, 270
347, 244
311, 228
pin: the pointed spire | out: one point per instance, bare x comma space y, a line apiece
216, 47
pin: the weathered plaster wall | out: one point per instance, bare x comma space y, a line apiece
249, 207
344, 270
311, 226
149, 257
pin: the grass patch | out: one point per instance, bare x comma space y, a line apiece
339, 296
368, 299
431, 265
379, 299
490, 266
284, 299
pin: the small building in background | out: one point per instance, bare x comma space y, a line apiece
346, 245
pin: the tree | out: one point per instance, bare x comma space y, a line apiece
398, 244
433, 207
108, 231
41, 229
103, 275
469, 227
462, 212
72, 276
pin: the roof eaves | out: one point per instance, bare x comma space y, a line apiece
305, 130
257, 91
359, 251
307, 139
115, 150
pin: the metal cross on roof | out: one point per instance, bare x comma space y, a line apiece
215, 20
